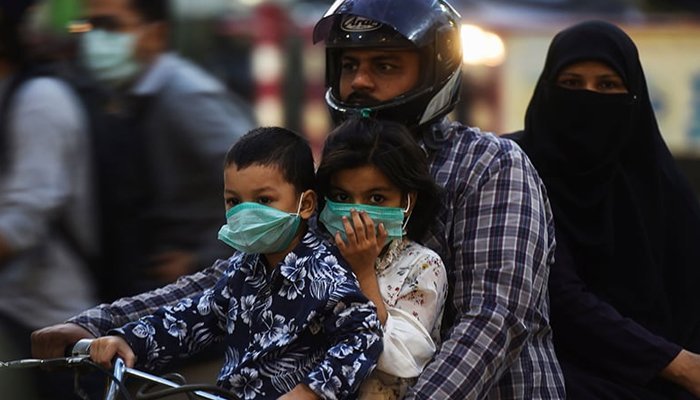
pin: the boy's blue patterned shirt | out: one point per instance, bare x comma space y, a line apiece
306, 321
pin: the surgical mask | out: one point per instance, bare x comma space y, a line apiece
256, 228
392, 217
109, 56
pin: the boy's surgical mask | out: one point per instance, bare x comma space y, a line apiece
255, 228
109, 56
392, 217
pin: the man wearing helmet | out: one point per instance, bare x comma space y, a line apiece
401, 60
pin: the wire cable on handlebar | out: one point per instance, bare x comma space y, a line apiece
122, 388
185, 389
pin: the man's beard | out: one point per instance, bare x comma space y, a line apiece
362, 99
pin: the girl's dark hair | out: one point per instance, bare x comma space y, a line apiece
280, 147
389, 147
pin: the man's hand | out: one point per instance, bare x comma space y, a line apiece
300, 392
104, 349
52, 341
684, 370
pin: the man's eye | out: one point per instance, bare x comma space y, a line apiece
387, 67
348, 66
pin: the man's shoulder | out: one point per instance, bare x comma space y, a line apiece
479, 142
468, 150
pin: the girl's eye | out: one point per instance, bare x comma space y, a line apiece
231, 201
340, 197
376, 199
264, 200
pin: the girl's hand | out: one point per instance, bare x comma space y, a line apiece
104, 349
361, 251
364, 244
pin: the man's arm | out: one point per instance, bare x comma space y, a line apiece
500, 273
53, 340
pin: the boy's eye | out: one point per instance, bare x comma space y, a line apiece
231, 201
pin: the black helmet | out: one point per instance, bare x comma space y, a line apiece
430, 26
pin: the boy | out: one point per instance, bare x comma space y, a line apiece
294, 320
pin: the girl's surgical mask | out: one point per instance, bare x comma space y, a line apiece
255, 228
109, 56
392, 217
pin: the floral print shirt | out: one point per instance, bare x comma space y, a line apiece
305, 322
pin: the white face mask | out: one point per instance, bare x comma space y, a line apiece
109, 56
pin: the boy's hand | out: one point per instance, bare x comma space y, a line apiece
300, 392
364, 243
104, 349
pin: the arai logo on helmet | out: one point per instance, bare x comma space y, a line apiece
354, 23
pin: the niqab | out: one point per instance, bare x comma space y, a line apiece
621, 206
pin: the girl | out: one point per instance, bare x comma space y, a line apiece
378, 200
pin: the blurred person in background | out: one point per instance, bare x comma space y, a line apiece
47, 221
623, 287
165, 125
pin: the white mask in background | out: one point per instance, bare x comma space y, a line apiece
109, 56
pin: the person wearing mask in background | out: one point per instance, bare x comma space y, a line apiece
401, 60
165, 127
623, 287
47, 219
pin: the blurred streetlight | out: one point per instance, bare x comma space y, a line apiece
481, 47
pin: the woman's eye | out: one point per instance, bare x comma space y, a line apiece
569, 83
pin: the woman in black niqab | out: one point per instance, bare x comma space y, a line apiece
625, 302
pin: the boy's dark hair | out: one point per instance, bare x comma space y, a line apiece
152, 10
389, 147
274, 146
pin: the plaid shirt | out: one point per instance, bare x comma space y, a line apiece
495, 233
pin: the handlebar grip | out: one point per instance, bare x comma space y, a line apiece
81, 348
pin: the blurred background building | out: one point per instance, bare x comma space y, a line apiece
262, 49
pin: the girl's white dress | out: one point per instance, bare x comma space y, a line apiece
413, 284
